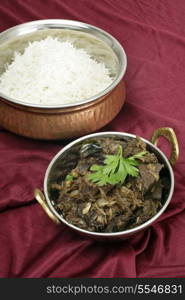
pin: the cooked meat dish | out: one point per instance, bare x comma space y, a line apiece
108, 207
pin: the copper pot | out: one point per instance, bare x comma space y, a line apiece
64, 121
59, 158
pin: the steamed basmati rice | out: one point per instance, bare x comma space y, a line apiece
53, 72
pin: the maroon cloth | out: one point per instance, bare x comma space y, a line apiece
153, 35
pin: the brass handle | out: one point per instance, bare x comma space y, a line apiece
42, 201
170, 135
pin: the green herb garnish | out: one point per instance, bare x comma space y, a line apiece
69, 177
115, 168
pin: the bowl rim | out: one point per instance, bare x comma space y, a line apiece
119, 233
70, 24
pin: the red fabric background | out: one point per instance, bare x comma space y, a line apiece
153, 35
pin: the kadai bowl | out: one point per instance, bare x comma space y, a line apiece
110, 185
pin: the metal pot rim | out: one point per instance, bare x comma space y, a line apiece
30, 27
119, 233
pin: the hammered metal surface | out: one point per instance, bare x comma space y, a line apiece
63, 124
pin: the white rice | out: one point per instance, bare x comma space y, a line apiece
53, 72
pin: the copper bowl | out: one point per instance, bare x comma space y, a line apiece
71, 120
59, 159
